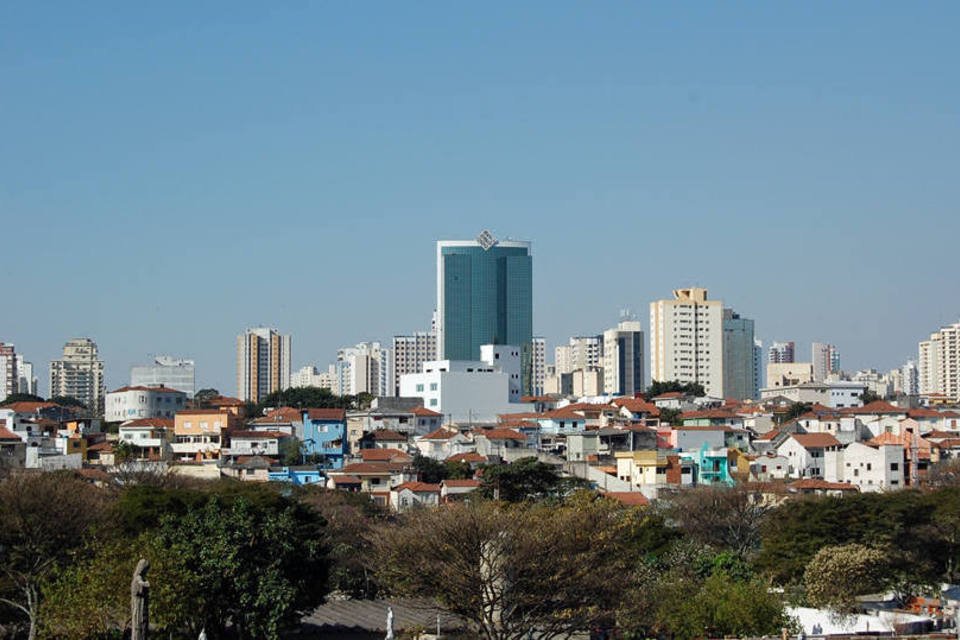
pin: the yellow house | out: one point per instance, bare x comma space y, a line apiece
639, 468
198, 434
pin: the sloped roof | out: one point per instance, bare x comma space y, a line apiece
712, 414
423, 412
815, 483
372, 468
155, 389
470, 456
276, 435
166, 423
443, 433
877, 407
461, 483
281, 414
326, 414
769, 435
628, 498
637, 405
386, 435
815, 440
28, 407
6, 434
378, 455
418, 487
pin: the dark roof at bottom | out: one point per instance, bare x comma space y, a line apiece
371, 616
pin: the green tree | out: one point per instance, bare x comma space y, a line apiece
869, 396
429, 470
20, 397
44, 517
658, 387
68, 401
291, 451
838, 574
203, 397
304, 397
670, 416
526, 479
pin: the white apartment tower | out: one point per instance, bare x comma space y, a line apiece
623, 359
9, 378
782, 352
263, 363
409, 354
539, 364
580, 353
79, 374
27, 382
168, 371
939, 363
364, 368
686, 340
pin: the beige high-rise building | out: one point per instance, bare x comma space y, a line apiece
686, 340
939, 363
263, 363
580, 353
409, 354
539, 368
79, 374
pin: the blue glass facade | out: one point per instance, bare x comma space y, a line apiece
486, 297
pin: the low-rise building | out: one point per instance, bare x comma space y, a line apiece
199, 434
149, 438
868, 467
132, 403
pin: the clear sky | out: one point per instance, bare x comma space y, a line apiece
173, 172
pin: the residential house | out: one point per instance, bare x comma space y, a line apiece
199, 434
149, 438
805, 451
506, 444
324, 436
442, 443
452, 490
868, 467
414, 494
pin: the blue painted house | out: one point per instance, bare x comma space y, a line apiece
325, 435
297, 475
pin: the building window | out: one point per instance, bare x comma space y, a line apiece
419, 388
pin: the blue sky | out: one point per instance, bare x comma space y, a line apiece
174, 173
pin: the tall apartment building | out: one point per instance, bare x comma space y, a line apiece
782, 352
539, 372
9, 379
364, 368
686, 340
580, 353
263, 363
939, 363
739, 358
910, 379
623, 359
171, 372
758, 372
312, 377
826, 361
79, 374
485, 296
409, 354
27, 381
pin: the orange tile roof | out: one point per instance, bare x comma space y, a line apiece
769, 435
386, 435
326, 414
6, 434
882, 439
470, 456
443, 433
520, 416
669, 395
722, 414
460, 483
346, 480
875, 407
370, 468
166, 423
426, 413
628, 498
814, 483
637, 405
378, 455
157, 388
518, 424
28, 407
815, 440
281, 414
276, 435
226, 401
418, 487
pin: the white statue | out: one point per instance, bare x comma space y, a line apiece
389, 623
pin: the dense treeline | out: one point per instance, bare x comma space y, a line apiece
243, 560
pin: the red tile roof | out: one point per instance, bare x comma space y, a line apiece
470, 456
346, 480
712, 414
225, 401
669, 395
28, 407
814, 483
380, 455
882, 439
281, 414
500, 434
6, 434
769, 435
443, 433
156, 388
628, 498
876, 407
418, 487
327, 414
518, 424
166, 423
637, 405
460, 483
276, 435
386, 435
815, 440
372, 468
426, 413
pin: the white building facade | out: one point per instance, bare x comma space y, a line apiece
176, 373
622, 359
409, 354
686, 340
79, 374
939, 363
133, 403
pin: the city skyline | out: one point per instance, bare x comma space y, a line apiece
785, 158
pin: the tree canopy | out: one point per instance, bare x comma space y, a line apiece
659, 387
20, 397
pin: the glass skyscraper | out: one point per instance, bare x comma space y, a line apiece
485, 296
